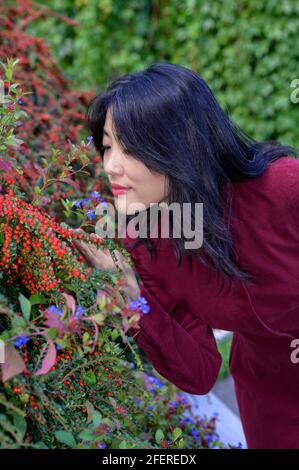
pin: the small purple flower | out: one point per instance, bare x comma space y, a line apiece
20, 101
95, 194
90, 138
91, 214
78, 203
194, 432
158, 383
132, 365
189, 420
174, 403
150, 407
133, 305
104, 203
155, 380
138, 401
52, 308
58, 347
145, 309
79, 311
102, 445
86, 201
139, 302
20, 341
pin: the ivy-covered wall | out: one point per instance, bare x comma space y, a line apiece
247, 51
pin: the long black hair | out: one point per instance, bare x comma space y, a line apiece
167, 117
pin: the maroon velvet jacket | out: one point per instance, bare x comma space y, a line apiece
188, 301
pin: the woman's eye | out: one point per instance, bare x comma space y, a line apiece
104, 147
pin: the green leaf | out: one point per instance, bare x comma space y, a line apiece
86, 337
36, 299
51, 333
66, 438
86, 435
42, 445
114, 334
90, 377
70, 287
20, 424
90, 410
176, 433
25, 306
122, 445
181, 443
159, 435
96, 418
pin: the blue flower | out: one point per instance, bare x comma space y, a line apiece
91, 214
150, 407
158, 383
78, 203
20, 101
142, 300
79, 311
138, 401
132, 365
174, 403
189, 420
216, 413
194, 432
20, 341
240, 445
95, 194
133, 305
104, 203
85, 201
90, 138
52, 308
58, 347
145, 309
102, 445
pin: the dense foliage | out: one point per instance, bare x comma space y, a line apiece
72, 375
246, 51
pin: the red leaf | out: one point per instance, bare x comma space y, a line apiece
53, 321
13, 365
71, 182
70, 302
49, 360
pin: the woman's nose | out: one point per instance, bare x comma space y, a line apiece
113, 165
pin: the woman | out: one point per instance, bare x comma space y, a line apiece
164, 137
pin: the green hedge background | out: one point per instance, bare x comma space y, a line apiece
247, 51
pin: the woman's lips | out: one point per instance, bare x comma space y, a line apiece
118, 192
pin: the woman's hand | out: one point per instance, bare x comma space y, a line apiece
102, 259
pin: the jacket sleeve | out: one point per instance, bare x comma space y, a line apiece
185, 351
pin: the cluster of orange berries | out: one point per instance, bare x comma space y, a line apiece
35, 246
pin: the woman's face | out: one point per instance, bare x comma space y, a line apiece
143, 185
